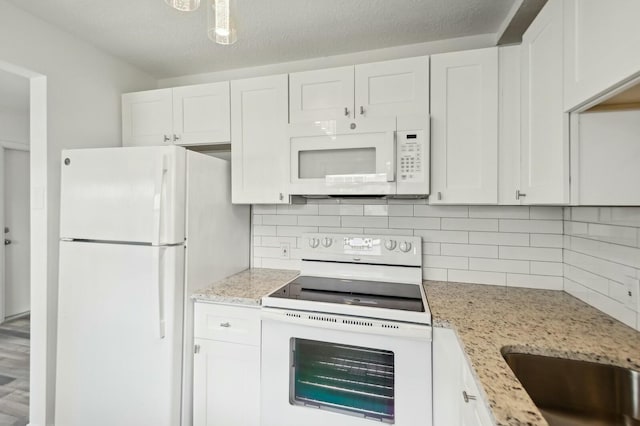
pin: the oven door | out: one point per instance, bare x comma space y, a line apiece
324, 369
343, 158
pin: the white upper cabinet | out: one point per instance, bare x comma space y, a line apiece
602, 47
381, 89
201, 114
259, 144
392, 88
190, 115
147, 118
545, 142
321, 95
509, 125
464, 127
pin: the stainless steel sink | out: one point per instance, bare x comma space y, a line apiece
579, 393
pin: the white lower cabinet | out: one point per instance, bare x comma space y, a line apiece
226, 368
457, 400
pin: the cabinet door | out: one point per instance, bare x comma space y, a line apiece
259, 144
392, 88
147, 118
545, 143
464, 138
601, 41
321, 95
509, 125
226, 384
201, 114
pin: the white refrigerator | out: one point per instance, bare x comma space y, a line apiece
141, 228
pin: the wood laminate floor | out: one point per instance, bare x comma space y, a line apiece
14, 372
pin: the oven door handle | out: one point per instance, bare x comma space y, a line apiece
346, 323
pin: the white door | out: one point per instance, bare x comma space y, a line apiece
147, 118
123, 194
321, 95
16, 232
201, 114
259, 145
392, 88
119, 341
464, 111
545, 145
226, 384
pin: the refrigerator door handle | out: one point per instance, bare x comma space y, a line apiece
157, 274
157, 201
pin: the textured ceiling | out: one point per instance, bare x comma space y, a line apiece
167, 43
14, 93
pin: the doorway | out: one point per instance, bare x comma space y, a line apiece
14, 196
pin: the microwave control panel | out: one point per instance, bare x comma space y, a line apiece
411, 155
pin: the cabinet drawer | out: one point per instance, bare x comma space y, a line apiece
227, 323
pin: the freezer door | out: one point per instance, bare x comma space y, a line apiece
131, 194
119, 344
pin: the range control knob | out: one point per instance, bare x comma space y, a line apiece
327, 241
314, 242
405, 246
390, 244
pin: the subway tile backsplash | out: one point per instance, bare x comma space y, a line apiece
602, 259
592, 253
510, 245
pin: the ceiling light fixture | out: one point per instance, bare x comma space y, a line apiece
184, 5
221, 27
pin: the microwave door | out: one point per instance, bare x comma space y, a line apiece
334, 164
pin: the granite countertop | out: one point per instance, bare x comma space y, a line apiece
544, 322
246, 287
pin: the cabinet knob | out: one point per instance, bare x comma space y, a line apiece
361, 110
225, 324
281, 196
346, 111
167, 138
176, 138
468, 397
520, 194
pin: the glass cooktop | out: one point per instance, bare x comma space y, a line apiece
376, 294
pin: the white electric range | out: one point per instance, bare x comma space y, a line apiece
348, 342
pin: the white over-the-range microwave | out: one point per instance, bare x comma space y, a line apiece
381, 157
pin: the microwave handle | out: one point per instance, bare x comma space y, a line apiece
391, 165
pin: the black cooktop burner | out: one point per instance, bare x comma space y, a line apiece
375, 294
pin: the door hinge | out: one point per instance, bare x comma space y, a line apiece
196, 349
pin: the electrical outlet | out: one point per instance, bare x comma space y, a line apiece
284, 250
633, 293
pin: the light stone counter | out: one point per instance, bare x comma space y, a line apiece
246, 287
544, 322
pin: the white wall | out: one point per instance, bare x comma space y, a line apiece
14, 127
83, 91
515, 246
602, 259
419, 49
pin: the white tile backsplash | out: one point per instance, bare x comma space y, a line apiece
592, 253
602, 259
460, 243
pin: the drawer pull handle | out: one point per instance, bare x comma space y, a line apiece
225, 324
468, 397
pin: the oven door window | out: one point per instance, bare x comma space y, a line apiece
351, 380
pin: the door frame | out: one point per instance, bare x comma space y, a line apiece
42, 362
5, 145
